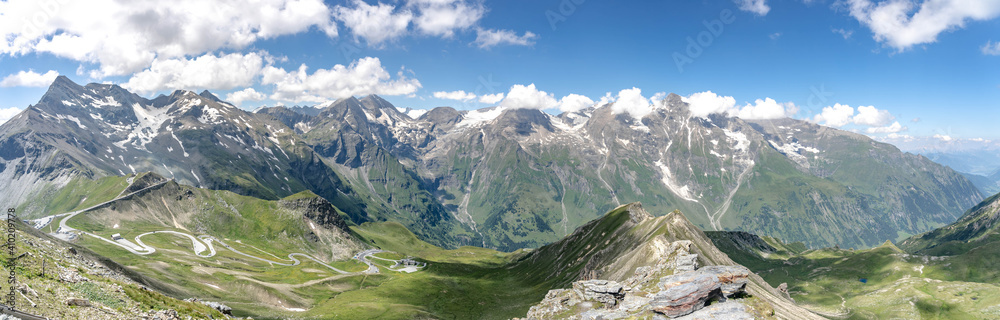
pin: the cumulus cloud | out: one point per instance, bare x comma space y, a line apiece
871, 116
902, 24
574, 102
210, 72
632, 102
766, 109
702, 104
606, 99
248, 94
836, 116
486, 39
758, 7
444, 17
528, 97
7, 114
895, 127
459, 95
942, 137
491, 98
991, 48
375, 23
123, 37
29, 78
362, 77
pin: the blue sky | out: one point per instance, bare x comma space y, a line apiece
920, 68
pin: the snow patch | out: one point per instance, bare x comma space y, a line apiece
72, 118
210, 115
109, 102
742, 143
477, 117
416, 113
682, 191
179, 143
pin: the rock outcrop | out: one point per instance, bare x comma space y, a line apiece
672, 288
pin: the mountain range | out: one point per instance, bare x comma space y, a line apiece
495, 177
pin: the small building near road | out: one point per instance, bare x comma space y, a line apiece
117, 236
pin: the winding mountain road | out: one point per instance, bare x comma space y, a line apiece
198, 244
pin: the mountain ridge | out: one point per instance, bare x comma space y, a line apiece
493, 177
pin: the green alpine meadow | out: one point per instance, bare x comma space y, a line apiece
486, 159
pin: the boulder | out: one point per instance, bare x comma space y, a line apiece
77, 302
732, 279
603, 291
729, 310
685, 293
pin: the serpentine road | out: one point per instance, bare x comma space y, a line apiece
198, 247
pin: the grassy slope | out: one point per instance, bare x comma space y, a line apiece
898, 285
121, 297
78, 194
259, 227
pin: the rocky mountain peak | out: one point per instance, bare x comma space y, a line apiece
208, 95
524, 121
636, 213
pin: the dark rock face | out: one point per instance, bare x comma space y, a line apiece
319, 210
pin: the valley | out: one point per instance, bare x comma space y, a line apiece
356, 210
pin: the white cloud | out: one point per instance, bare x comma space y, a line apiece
491, 98
871, 116
899, 136
991, 48
945, 138
657, 98
902, 24
29, 78
8, 113
702, 104
459, 95
489, 38
766, 109
632, 102
375, 23
574, 102
836, 116
705, 103
528, 97
775, 36
444, 17
893, 128
758, 7
362, 77
210, 72
248, 94
844, 33
606, 99
123, 37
